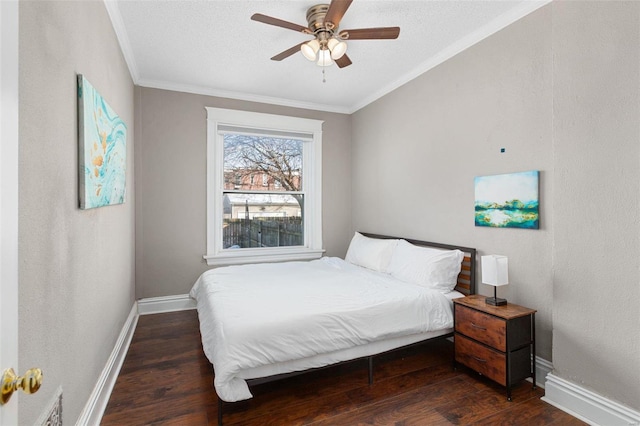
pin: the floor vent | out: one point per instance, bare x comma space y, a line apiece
53, 417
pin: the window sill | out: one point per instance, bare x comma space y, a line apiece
242, 256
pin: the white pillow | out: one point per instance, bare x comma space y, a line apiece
371, 253
426, 266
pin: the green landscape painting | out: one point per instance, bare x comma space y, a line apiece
508, 201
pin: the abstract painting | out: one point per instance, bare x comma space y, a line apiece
103, 147
508, 201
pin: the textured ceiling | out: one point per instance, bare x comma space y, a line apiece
213, 47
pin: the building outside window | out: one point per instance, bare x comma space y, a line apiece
280, 219
270, 215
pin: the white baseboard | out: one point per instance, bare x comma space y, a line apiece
586, 405
581, 403
157, 305
97, 403
543, 367
99, 398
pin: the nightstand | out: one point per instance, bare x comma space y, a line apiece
496, 341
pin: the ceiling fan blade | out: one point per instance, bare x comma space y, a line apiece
336, 11
370, 33
279, 23
343, 61
290, 51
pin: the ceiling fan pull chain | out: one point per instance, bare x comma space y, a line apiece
324, 80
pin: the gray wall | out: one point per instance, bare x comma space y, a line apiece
417, 150
171, 146
559, 91
76, 268
596, 202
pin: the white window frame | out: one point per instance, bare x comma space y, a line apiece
311, 181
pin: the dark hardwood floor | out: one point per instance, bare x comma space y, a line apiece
167, 380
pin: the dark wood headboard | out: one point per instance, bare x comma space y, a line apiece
467, 277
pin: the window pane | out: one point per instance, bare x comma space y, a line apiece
262, 220
262, 163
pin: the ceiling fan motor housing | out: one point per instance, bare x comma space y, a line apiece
323, 21
315, 18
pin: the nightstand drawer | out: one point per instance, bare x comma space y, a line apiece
482, 327
482, 359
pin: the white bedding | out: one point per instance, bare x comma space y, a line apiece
272, 314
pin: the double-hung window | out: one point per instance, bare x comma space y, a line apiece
264, 194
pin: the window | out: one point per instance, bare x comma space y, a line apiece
278, 220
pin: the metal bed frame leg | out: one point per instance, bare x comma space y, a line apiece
370, 370
219, 412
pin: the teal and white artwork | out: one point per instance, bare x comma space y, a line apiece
508, 201
103, 149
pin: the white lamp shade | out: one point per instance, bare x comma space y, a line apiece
324, 58
310, 49
495, 270
338, 48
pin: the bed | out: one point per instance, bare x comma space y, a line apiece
261, 322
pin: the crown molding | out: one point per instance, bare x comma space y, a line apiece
491, 28
125, 45
123, 38
477, 36
220, 93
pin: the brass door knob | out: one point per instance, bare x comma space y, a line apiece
29, 383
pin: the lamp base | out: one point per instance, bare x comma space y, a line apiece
495, 301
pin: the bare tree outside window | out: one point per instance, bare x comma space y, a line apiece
266, 212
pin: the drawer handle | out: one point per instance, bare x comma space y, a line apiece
478, 326
478, 359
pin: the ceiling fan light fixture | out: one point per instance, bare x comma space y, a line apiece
329, 44
337, 47
310, 49
324, 58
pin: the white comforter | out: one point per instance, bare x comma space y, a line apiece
253, 315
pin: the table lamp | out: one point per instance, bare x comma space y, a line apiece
495, 272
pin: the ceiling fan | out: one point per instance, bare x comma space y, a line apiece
329, 43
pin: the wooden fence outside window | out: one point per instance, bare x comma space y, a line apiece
262, 232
